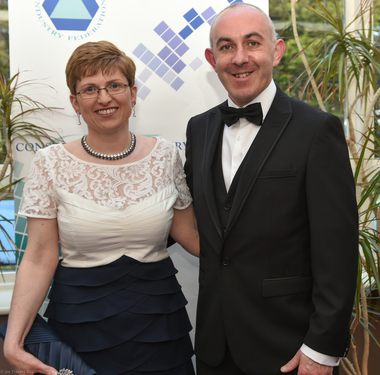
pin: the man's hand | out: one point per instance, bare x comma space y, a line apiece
306, 366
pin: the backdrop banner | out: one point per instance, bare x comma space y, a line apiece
166, 39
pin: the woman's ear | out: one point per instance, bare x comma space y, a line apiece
74, 103
134, 94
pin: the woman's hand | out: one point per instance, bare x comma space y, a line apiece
25, 363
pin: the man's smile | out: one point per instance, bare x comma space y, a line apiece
242, 75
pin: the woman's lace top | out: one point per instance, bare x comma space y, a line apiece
105, 211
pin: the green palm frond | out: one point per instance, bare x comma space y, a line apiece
343, 57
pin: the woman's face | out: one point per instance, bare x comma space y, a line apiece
105, 113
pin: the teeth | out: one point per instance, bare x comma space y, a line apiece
106, 111
242, 75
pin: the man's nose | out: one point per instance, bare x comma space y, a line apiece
241, 56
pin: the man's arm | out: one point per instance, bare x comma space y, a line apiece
334, 249
188, 162
333, 219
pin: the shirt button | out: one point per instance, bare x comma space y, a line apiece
226, 262
227, 207
238, 138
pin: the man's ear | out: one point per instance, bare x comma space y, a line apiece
279, 51
209, 54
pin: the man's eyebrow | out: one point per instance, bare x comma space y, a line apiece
223, 39
254, 34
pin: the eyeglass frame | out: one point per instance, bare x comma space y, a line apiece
103, 88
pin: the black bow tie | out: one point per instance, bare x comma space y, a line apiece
253, 113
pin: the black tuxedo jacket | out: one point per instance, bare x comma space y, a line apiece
283, 270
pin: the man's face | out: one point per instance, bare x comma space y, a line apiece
243, 54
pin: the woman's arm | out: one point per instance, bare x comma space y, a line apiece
32, 283
184, 230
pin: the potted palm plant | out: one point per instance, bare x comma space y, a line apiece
16, 111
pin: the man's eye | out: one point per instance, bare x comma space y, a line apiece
253, 44
225, 48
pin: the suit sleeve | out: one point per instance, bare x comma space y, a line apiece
333, 216
188, 167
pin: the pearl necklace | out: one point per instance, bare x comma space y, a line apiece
122, 155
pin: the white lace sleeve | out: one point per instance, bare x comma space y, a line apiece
38, 199
184, 197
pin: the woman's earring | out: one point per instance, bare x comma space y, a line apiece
79, 122
133, 110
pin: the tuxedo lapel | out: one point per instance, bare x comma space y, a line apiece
213, 128
275, 123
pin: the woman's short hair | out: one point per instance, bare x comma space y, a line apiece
93, 57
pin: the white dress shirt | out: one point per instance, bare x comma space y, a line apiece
237, 140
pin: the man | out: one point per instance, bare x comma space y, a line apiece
275, 204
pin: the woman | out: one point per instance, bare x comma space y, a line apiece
115, 298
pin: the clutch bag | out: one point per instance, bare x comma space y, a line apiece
48, 347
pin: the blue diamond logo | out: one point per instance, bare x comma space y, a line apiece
71, 14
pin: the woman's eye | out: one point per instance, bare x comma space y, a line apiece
114, 86
90, 89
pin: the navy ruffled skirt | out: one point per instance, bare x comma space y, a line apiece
126, 317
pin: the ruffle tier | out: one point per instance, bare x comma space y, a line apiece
126, 317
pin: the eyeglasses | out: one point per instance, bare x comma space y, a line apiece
92, 92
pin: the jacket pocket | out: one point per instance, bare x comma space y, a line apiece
279, 173
286, 286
